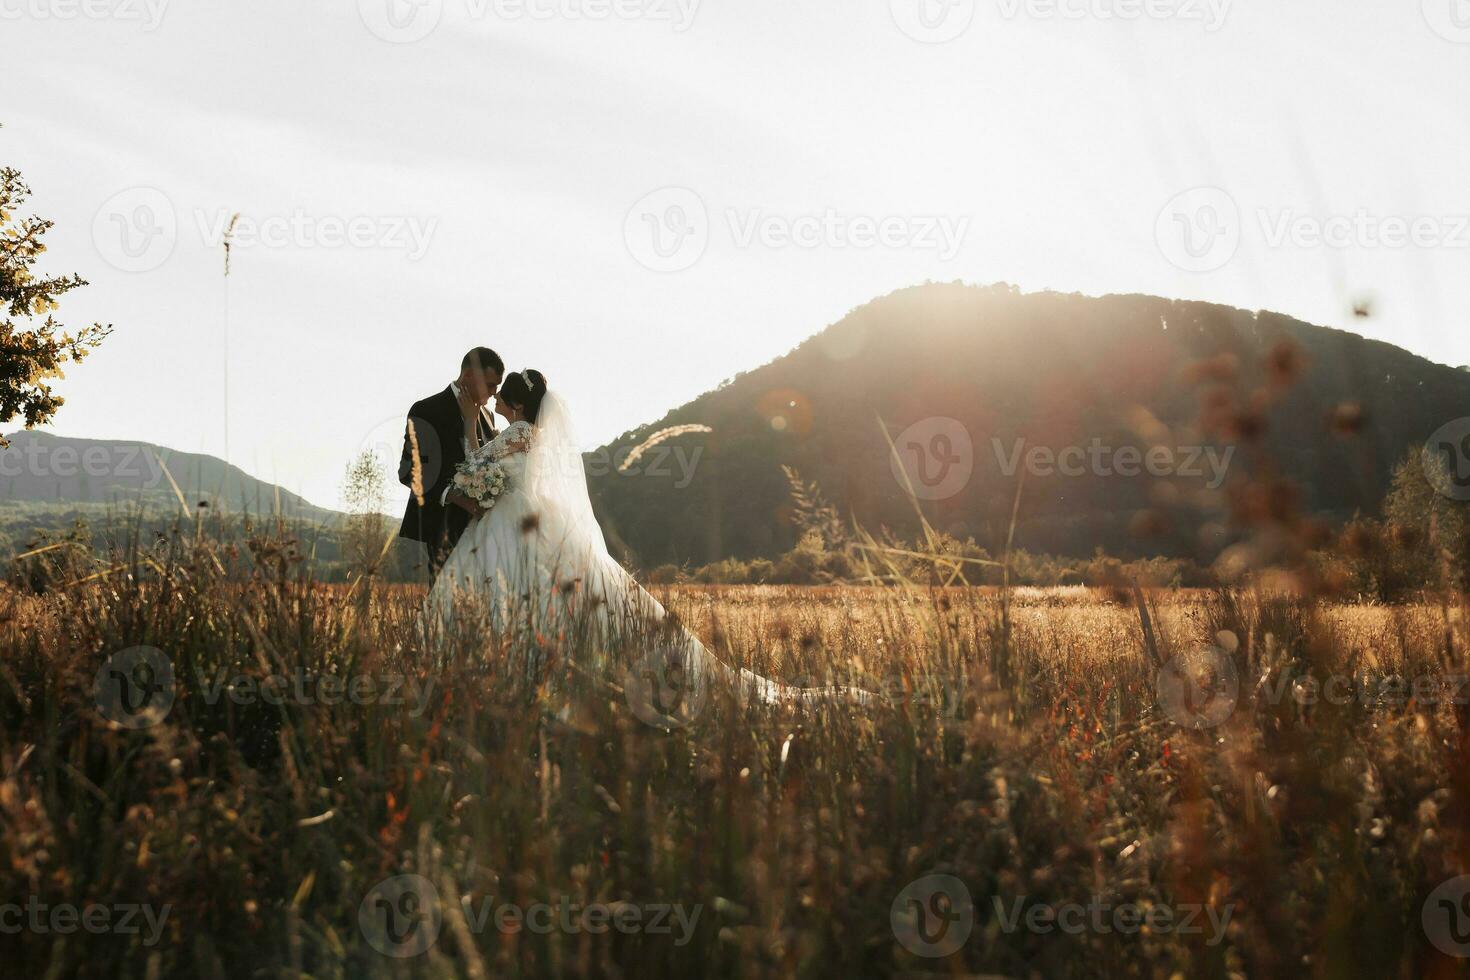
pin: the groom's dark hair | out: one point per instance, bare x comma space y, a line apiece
483, 358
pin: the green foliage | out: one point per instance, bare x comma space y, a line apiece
1421, 543
366, 534
32, 353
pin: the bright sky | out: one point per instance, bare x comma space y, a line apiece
419, 176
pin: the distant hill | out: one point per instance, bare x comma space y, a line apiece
1051, 369
43, 469
124, 492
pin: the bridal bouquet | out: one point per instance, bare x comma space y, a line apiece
482, 480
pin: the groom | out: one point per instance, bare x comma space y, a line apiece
446, 428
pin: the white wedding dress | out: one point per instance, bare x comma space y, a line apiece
538, 557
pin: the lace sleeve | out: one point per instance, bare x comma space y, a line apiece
515, 439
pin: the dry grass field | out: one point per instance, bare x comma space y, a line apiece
211, 767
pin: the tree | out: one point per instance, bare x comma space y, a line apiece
367, 534
31, 353
1433, 528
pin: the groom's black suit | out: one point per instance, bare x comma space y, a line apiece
439, 429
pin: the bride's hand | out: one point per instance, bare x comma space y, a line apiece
463, 501
468, 408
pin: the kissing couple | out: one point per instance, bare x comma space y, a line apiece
508, 521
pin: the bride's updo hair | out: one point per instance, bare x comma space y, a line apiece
525, 389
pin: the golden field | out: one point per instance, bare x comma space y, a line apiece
1020, 743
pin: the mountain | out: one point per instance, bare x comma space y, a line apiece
980, 385
41, 470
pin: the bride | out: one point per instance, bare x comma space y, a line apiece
538, 553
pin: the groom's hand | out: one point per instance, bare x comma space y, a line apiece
461, 500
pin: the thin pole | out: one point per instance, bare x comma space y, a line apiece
229, 232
